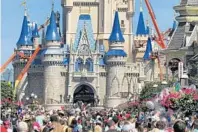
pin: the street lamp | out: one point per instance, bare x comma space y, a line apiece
27, 98
164, 83
32, 95
155, 85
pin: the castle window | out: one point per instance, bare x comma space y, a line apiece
122, 23
61, 97
79, 65
89, 65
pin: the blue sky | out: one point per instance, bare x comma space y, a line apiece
12, 16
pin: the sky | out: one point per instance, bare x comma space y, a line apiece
12, 16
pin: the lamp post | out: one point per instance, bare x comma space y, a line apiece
32, 98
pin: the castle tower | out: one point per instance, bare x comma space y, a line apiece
35, 36
54, 82
24, 48
101, 12
116, 61
35, 72
179, 48
141, 37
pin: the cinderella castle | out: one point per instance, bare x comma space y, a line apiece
96, 59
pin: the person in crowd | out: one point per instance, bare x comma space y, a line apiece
57, 127
5, 127
195, 126
22, 127
128, 127
116, 121
179, 126
40, 117
98, 126
160, 126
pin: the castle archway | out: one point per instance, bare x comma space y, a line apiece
85, 94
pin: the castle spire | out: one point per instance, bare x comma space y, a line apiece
116, 39
141, 8
52, 5
147, 27
149, 50
24, 38
116, 34
52, 33
35, 31
141, 26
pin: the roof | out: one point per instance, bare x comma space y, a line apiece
149, 50
147, 30
84, 22
35, 31
25, 38
116, 34
65, 61
101, 62
116, 52
177, 40
189, 2
52, 32
141, 26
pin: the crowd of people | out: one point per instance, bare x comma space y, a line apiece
92, 120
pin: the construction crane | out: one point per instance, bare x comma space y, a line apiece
11, 58
19, 53
160, 40
25, 69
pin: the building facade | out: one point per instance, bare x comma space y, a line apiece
183, 44
93, 61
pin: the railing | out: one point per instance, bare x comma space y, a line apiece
84, 74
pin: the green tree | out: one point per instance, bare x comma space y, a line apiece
150, 91
6, 91
193, 74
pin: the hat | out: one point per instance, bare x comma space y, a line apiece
27, 117
72, 112
187, 119
61, 112
98, 122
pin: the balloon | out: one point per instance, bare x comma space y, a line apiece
193, 87
150, 105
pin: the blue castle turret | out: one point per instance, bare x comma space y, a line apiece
25, 38
141, 25
116, 61
116, 34
35, 33
116, 38
52, 32
148, 52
